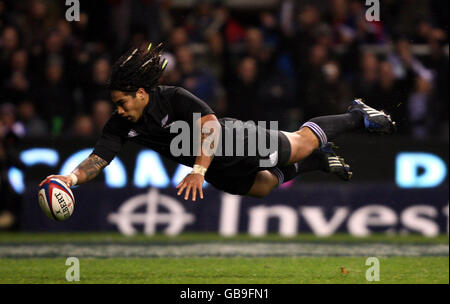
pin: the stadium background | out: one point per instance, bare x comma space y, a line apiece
254, 60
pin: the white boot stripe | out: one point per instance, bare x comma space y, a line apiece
335, 163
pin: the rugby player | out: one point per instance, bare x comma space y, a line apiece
146, 111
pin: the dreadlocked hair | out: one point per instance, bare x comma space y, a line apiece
138, 68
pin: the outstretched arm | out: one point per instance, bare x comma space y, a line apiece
85, 172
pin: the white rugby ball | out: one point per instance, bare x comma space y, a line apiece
56, 199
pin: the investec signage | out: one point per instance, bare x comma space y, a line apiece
286, 217
322, 209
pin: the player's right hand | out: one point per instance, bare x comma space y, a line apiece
65, 178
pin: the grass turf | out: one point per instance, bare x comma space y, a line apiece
220, 270
271, 270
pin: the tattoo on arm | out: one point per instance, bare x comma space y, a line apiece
208, 140
90, 168
209, 134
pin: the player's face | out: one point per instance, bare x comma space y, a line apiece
128, 106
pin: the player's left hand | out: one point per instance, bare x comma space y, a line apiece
192, 182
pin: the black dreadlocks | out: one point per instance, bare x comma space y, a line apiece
138, 68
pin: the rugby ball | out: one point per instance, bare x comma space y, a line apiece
56, 199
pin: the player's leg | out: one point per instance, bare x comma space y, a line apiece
324, 159
318, 131
302, 144
265, 182
315, 134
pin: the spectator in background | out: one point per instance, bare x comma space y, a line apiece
378, 85
367, 76
18, 83
82, 127
101, 112
10, 124
54, 98
359, 28
98, 84
199, 22
310, 77
275, 99
196, 80
242, 101
438, 62
422, 33
404, 62
327, 93
343, 34
147, 15
407, 16
214, 59
34, 125
38, 19
255, 47
233, 31
51, 50
54, 44
409, 69
9, 43
309, 24
390, 94
119, 22
81, 29
254, 42
19, 61
65, 30
17, 87
178, 38
419, 108
270, 29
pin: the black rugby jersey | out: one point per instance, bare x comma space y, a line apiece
168, 104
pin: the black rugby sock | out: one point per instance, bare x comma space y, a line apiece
327, 128
315, 161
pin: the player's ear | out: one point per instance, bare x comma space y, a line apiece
140, 93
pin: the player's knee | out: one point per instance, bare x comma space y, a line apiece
264, 184
261, 192
304, 147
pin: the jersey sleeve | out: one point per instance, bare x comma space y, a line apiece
111, 140
185, 104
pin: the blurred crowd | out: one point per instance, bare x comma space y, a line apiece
288, 63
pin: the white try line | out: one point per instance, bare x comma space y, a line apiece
257, 249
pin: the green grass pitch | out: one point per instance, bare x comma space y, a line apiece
40, 258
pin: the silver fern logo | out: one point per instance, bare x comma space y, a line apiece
164, 120
132, 133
